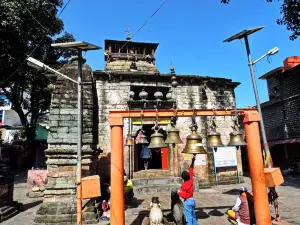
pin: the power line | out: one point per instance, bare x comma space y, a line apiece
33, 17
63, 9
153, 14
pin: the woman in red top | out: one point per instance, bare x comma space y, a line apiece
186, 193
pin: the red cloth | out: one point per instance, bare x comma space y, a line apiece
187, 187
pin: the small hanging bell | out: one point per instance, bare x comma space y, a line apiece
157, 140
129, 140
194, 143
214, 139
236, 139
143, 139
173, 136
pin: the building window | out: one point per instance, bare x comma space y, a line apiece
298, 111
1, 116
275, 89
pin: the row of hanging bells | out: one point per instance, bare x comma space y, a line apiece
194, 141
236, 137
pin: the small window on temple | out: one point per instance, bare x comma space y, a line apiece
204, 96
148, 51
275, 89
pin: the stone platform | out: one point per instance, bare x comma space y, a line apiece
161, 185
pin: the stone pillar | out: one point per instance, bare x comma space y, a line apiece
59, 204
8, 207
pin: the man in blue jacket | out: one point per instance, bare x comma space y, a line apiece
146, 155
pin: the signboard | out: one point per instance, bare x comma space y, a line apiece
225, 156
187, 157
36, 178
200, 160
162, 121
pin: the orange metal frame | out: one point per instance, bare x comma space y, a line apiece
250, 120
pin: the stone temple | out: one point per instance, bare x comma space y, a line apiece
130, 80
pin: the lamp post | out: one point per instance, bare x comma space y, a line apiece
244, 34
79, 47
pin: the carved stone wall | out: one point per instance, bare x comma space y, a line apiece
59, 203
113, 94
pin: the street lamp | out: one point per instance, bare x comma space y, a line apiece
39, 65
244, 34
79, 46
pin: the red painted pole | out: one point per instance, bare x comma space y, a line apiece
260, 196
117, 215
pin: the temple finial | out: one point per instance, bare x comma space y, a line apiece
127, 30
172, 70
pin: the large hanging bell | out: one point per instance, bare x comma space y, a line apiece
214, 139
194, 143
236, 139
129, 140
157, 140
173, 136
143, 140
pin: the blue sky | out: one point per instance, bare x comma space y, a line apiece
191, 34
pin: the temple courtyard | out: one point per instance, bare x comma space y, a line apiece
212, 204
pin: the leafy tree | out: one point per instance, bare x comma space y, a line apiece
290, 10
29, 27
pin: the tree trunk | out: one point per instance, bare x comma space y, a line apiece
30, 136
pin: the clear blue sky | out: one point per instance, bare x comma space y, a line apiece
190, 33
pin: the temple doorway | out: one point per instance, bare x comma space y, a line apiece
156, 162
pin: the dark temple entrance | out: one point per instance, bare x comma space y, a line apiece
156, 161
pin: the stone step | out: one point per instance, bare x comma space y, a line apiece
156, 181
152, 174
156, 189
7, 212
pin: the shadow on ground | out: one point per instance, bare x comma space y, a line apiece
200, 214
31, 205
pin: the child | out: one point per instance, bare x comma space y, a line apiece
186, 193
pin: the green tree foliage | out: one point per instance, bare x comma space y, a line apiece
29, 27
290, 11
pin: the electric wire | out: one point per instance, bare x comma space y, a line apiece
30, 54
141, 27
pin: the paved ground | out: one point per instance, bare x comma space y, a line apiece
211, 204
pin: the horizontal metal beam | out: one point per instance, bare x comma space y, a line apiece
121, 114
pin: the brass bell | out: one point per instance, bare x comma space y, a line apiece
173, 136
194, 143
129, 140
236, 139
143, 139
157, 140
214, 139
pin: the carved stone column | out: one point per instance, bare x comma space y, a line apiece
59, 204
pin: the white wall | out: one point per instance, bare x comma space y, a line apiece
11, 118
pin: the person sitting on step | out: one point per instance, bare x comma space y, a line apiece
128, 191
241, 211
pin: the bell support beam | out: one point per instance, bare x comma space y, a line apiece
260, 196
180, 113
251, 119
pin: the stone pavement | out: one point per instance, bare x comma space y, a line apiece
212, 204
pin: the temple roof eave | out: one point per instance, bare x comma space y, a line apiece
226, 81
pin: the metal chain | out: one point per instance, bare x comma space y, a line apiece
194, 117
156, 118
142, 117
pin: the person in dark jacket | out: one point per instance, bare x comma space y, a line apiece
146, 154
